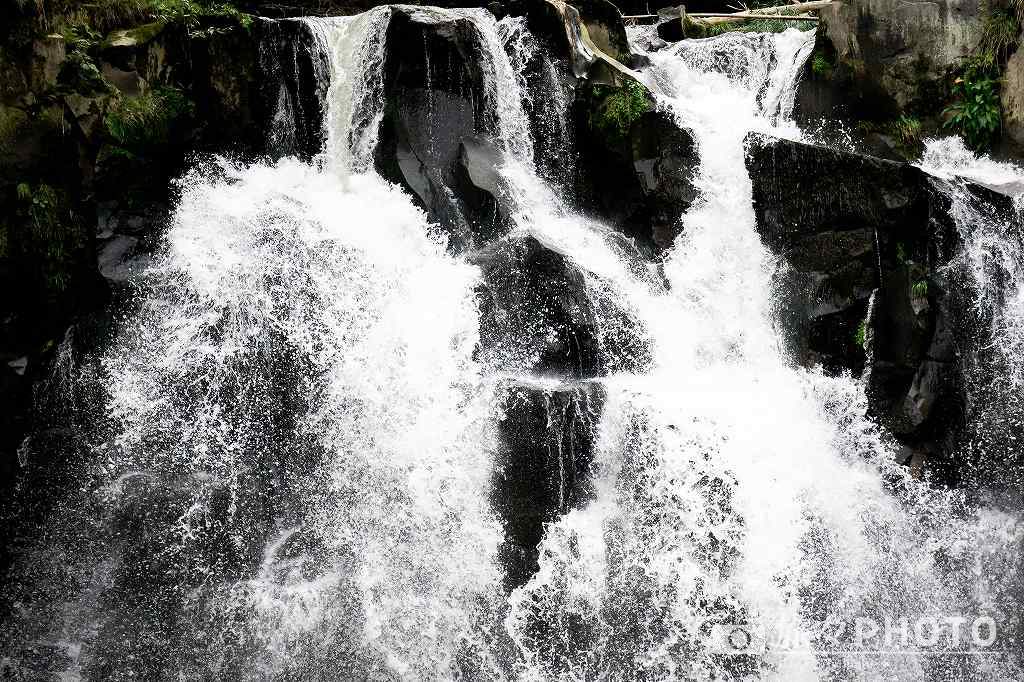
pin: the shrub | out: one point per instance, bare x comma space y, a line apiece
821, 66
906, 129
619, 108
860, 336
975, 112
147, 120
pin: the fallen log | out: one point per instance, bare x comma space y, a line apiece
746, 15
798, 10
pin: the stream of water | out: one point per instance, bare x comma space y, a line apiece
291, 474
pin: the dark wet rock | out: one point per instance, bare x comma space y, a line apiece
542, 466
565, 29
672, 27
605, 27
863, 243
120, 259
539, 316
877, 59
640, 181
294, 95
229, 87
435, 110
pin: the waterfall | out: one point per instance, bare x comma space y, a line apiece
729, 486
986, 276
290, 449
297, 430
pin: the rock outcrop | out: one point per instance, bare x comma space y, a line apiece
542, 469
433, 137
876, 59
92, 129
1012, 98
864, 245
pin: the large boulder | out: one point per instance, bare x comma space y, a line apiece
436, 121
863, 242
636, 168
542, 465
876, 59
539, 315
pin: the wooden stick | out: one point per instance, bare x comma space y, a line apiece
770, 17
778, 10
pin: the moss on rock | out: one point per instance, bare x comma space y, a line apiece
617, 108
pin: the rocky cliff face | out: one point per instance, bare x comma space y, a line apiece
96, 127
877, 61
867, 286
895, 55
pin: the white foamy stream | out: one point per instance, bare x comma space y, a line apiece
317, 301
731, 486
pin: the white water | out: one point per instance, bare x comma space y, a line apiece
298, 377
730, 486
992, 256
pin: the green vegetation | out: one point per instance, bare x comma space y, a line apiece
190, 12
821, 66
906, 129
107, 15
756, 26
619, 108
919, 289
860, 336
80, 72
42, 207
148, 120
975, 112
1000, 33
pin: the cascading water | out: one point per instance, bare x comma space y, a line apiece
290, 455
289, 477
731, 487
987, 274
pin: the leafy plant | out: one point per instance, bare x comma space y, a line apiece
975, 112
821, 66
190, 12
860, 336
80, 72
919, 289
619, 109
147, 120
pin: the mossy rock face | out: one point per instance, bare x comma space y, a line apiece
616, 109
13, 122
34, 141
